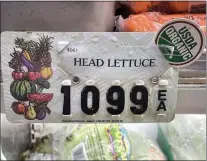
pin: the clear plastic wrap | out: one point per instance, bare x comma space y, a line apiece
15, 138
152, 21
49, 142
96, 142
166, 6
184, 138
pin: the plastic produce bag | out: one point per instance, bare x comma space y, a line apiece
42, 150
49, 141
15, 138
166, 6
184, 138
109, 142
97, 142
152, 21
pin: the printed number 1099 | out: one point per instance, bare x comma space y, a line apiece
119, 101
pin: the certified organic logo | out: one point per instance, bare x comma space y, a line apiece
181, 41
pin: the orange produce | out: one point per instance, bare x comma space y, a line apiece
187, 7
160, 6
152, 21
166, 6
138, 23
161, 19
178, 7
139, 7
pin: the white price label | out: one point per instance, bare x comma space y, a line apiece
86, 77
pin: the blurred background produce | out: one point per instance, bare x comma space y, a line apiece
184, 138
153, 21
51, 141
150, 16
166, 6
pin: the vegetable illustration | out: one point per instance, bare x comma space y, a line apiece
31, 71
14, 108
40, 97
41, 114
33, 75
20, 88
47, 110
26, 63
15, 61
41, 100
24, 69
26, 55
42, 51
18, 107
42, 83
17, 75
30, 113
21, 107
46, 72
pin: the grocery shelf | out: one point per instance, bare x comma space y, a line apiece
191, 101
196, 71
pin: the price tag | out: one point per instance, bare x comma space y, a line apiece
86, 77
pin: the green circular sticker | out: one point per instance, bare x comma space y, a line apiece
181, 41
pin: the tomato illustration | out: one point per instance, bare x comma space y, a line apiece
21, 108
17, 75
33, 75
18, 107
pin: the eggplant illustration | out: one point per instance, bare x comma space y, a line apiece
26, 63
